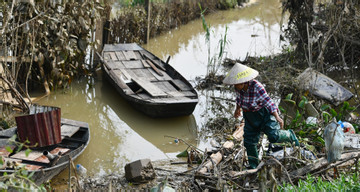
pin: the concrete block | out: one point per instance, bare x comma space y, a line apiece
139, 171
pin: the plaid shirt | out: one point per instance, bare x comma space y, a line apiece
255, 98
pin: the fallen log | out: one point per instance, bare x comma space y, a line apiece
215, 158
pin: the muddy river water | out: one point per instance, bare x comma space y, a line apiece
119, 134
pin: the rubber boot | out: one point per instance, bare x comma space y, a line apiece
253, 157
287, 136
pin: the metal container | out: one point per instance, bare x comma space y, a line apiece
42, 127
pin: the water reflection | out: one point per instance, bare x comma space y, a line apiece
119, 134
253, 31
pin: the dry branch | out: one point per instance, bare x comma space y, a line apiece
323, 163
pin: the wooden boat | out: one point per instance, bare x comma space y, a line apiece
149, 84
75, 138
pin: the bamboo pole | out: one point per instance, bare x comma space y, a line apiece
216, 158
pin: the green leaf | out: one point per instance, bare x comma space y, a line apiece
345, 106
298, 115
282, 110
333, 112
27, 152
324, 107
290, 101
302, 104
289, 96
183, 154
8, 149
31, 174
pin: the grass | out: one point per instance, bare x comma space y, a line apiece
343, 183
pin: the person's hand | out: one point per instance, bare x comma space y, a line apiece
279, 120
237, 112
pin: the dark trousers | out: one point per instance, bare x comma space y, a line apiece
255, 123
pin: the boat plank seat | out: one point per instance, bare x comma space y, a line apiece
129, 55
121, 80
107, 56
144, 73
189, 93
35, 155
123, 74
165, 76
181, 85
68, 130
113, 56
111, 65
120, 55
166, 86
149, 87
176, 93
73, 122
133, 64
145, 64
18, 162
3, 150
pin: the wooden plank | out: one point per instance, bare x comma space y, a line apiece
176, 94
145, 64
119, 80
107, 56
126, 74
122, 74
149, 87
153, 59
181, 85
133, 64
120, 55
68, 130
129, 55
165, 76
32, 155
189, 93
144, 74
154, 68
74, 122
111, 65
144, 96
113, 56
4, 152
166, 86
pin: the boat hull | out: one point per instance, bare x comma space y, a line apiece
77, 143
155, 91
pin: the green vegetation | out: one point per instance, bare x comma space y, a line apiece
214, 61
311, 133
344, 183
21, 179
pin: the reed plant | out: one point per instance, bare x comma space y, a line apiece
213, 61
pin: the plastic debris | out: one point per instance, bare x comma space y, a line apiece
304, 153
81, 170
311, 121
348, 128
334, 141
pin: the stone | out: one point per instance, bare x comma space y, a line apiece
139, 171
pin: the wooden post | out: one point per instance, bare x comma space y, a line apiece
101, 32
148, 11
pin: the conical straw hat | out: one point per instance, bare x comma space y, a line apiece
240, 73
